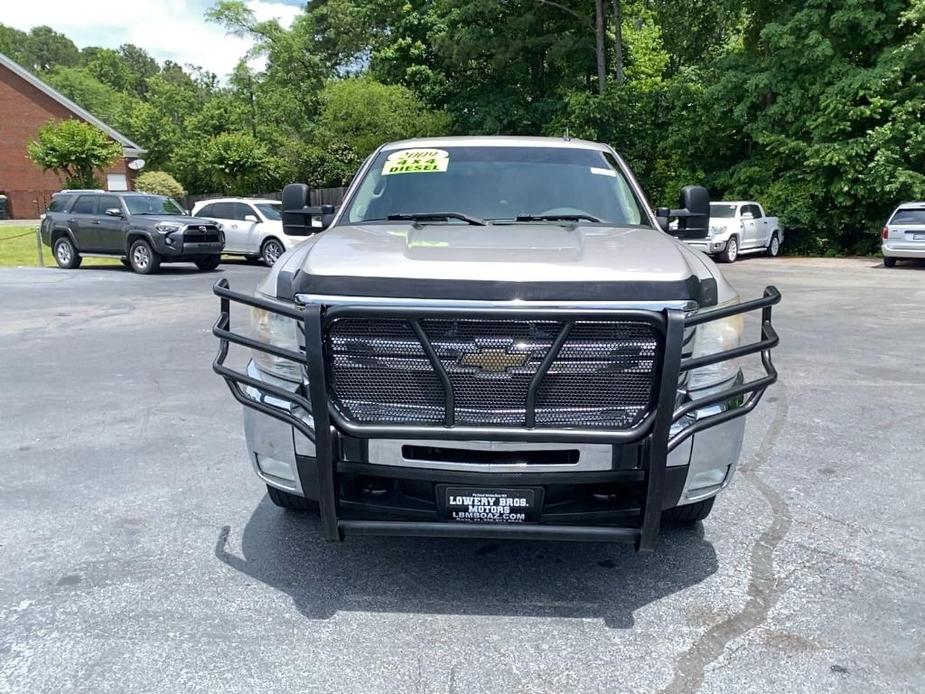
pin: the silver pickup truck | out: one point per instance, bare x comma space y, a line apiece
496, 337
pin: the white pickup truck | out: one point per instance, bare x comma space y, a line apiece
740, 227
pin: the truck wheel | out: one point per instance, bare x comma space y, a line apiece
142, 258
66, 255
271, 251
731, 251
209, 264
887, 262
774, 246
689, 513
291, 501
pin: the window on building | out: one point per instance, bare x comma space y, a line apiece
116, 181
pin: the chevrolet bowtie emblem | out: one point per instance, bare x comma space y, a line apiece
494, 360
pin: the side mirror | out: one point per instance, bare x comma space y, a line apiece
693, 215
297, 215
250, 218
114, 212
747, 215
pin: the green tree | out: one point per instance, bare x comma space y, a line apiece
141, 67
363, 113
820, 116
159, 183
46, 48
102, 100
74, 150
239, 164
13, 44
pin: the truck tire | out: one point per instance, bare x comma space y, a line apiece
209, 264
66, 255
731, 251
774, 246
291, 501
143, 259
889, 262
689, 513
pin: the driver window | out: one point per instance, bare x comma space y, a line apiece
108, 202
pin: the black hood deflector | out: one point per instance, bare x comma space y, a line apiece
289, 284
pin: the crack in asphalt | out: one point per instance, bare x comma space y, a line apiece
764, 586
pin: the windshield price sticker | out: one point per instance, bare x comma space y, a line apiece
416, 161
490, 505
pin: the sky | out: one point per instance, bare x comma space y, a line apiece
167, 29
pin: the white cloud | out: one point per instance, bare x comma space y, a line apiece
167, 29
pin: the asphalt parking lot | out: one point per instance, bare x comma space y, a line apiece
139, 553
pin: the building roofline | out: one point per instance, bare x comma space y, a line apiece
129, 148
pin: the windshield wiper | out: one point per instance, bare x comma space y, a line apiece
434, 217
556, 218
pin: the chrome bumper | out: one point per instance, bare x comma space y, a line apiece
709, 246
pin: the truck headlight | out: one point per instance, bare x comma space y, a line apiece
713, 337
166, 227
280, 331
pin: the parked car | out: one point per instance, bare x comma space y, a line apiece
495, 337
253, 228
738, 227
903, 236
143, 230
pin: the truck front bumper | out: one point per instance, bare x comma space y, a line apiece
613, 485
699, 469
709, 246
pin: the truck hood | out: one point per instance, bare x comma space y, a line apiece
496, 262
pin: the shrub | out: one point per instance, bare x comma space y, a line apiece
159, 183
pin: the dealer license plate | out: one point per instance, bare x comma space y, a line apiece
918, 237
481, 505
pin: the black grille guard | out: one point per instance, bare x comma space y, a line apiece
657, 432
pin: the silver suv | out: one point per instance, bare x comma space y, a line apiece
903, 235
496, 337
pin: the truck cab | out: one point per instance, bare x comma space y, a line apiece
740, 227
496, 337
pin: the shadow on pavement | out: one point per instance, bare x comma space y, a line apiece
462, 577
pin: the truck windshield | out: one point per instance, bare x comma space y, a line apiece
151, 204
723, 211
496, 184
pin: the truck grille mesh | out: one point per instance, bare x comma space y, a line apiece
603, 376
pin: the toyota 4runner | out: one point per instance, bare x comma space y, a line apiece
143, 230
496, 337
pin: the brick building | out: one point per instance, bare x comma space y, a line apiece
26, 104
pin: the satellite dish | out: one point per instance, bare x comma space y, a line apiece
136, 164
